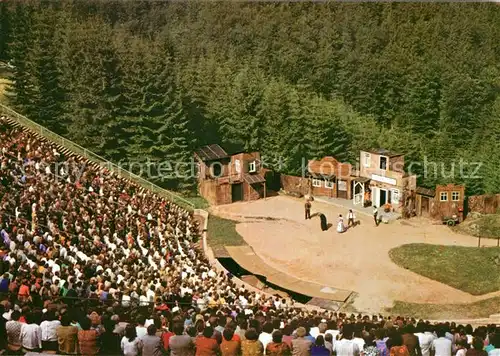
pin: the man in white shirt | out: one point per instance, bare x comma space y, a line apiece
345, 346
442, 345
425, 339
31, 336
266, 336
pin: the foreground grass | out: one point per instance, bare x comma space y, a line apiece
470, 269
481, 309
487, 226
199, 202
222, 232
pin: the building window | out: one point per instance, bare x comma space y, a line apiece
443, 196
383, 162
316, 182
395, 196
367, 160
328, 184
455, 196
252, 167
237, 166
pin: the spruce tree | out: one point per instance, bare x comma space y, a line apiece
21, 93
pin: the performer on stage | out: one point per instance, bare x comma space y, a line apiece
340, 224
351, 218
308, 208
324, 225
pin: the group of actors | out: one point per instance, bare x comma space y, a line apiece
351, 218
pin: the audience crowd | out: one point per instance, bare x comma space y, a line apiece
92, 264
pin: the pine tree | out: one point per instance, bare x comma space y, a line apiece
20, 93
48, 93
5, 31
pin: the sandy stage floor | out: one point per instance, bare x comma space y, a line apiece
356, 260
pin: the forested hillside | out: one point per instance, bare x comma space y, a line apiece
151, 80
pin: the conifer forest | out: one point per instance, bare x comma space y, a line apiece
146, 80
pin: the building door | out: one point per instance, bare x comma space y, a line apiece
382, 197
358, 193
424, 211
237, 192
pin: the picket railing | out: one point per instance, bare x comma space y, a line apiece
77, 149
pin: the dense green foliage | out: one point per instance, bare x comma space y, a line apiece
149, 81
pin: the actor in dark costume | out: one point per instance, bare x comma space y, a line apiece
308, 209
324, 225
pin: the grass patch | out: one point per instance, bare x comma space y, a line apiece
486, 226
199, 202
470, 269
481, 309
222, 232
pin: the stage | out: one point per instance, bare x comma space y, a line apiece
356, 260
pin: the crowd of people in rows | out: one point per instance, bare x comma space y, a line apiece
91, 263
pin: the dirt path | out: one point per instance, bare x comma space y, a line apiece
357, 260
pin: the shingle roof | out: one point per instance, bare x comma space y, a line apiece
329, 166
211, 152
254, 178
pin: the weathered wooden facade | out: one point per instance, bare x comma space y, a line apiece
444, 201
224, 179
382, 180
330, 178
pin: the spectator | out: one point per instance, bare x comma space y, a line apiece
329, 342
109, 340
31, 335
277, 347
345, 346
266, 336
301, 346
131, 345
206, 344
411, 341
67, 336
251, 346
370, 347
462, 347
396, 346
318, 348
49, 331
229, 346
477, 348
151, 343
87, 338
442, 345
180, 344
14, 332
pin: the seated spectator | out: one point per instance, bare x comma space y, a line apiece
318, 348
230, 346
206, 344
49, 331
180, 344
13, 328
109, 340
31, 335
67, 336
301, 346
87, 338
370, 347
130, 344
277, 347
251, 346
151, 343
477, 348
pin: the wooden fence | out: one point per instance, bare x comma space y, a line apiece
484, 204
292, 184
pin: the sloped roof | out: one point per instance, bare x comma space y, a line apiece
253, 178
211, 152
329, 166
384, 152
425, 191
